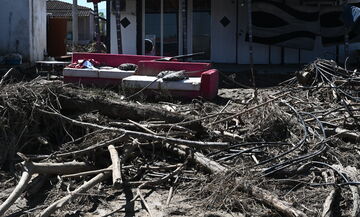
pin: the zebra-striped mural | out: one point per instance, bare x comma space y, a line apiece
297, 26
279, 24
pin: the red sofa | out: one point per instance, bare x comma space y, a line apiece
147, 66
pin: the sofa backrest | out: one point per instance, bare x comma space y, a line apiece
113, 60
155, 67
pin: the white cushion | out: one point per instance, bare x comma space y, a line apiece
86, 73
115, 73
138, 82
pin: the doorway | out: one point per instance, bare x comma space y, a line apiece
56, 37
172, 31
199, 28
224, 31
161, 26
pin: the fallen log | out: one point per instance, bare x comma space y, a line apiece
140, 135
86, 101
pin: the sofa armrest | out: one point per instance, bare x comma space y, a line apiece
209, 84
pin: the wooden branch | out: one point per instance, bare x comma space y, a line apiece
223, 109
156, 182
150, 126
251, 109
116, 167
88, 173
83, 188
60, 168
270, 199
193, 121
7, 74
200, 159
170, 167
140, 135
227, 134
142, 127
146, 205
83, 101
82, 151
19, 189
330, 203
171, 192
260, 194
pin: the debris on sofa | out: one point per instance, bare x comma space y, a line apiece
85, 64
128, 67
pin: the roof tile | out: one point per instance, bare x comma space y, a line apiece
57, 8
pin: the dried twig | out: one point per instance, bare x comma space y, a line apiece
116, 167
83, 188
7, 74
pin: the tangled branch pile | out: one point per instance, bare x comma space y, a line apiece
291, 151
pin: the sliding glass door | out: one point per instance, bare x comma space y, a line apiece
171, 28
165, 29
201, 28
161, 26
153, 25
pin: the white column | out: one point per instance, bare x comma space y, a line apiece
75, 22
162, 28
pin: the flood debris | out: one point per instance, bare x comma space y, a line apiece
290, 151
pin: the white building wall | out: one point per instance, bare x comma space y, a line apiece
14, 22
37, 29
23, 28
128, 33
223, 38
